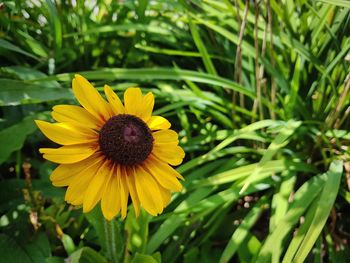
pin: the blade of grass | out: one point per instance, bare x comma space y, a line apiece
280, 201
298, 238
342, 3
280, 141
55, 25
270, 168
243, 230
302, 200
324, 206
202, 49
116, 28
157, 73
175, 220
4, 44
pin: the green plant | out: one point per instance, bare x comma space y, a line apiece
259, 91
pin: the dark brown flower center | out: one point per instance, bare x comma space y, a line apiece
126, 139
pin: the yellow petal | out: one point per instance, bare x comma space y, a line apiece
77, 188
163, 173
63, 174
146, 107
166, 195
132, 189
158, 123
90, 99
110, 203
138, 105
124, 191
96, 187
165, 136
132, 101
148, 192
114, 101
69, 153
169, 152
66, 134
75, 115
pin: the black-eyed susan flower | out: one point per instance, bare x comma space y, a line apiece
112, 151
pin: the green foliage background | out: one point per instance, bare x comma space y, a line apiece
258, 90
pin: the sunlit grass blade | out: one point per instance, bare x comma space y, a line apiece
301, 201
243, 172
116, 28
280, 200
202, 49
299, 236
324, 206
280, 141
342, 3
157, 74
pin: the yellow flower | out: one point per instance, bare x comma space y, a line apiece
111, 151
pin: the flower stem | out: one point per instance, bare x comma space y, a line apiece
110, 240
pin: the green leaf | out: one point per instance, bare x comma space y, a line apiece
278, 142
13, 138
249, 248
280, 201
141, 258
202, 49
175, 220
242, 231
36, 46
247, 132
25, 73
159, 74
324, 206
4, 44
242, 172
247, 48
55, 25
86, 255
14, 92
28, 251
183, 53
141, 8
303, 198
298, 238
215, 201
342, 3
126, 27
54, 260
